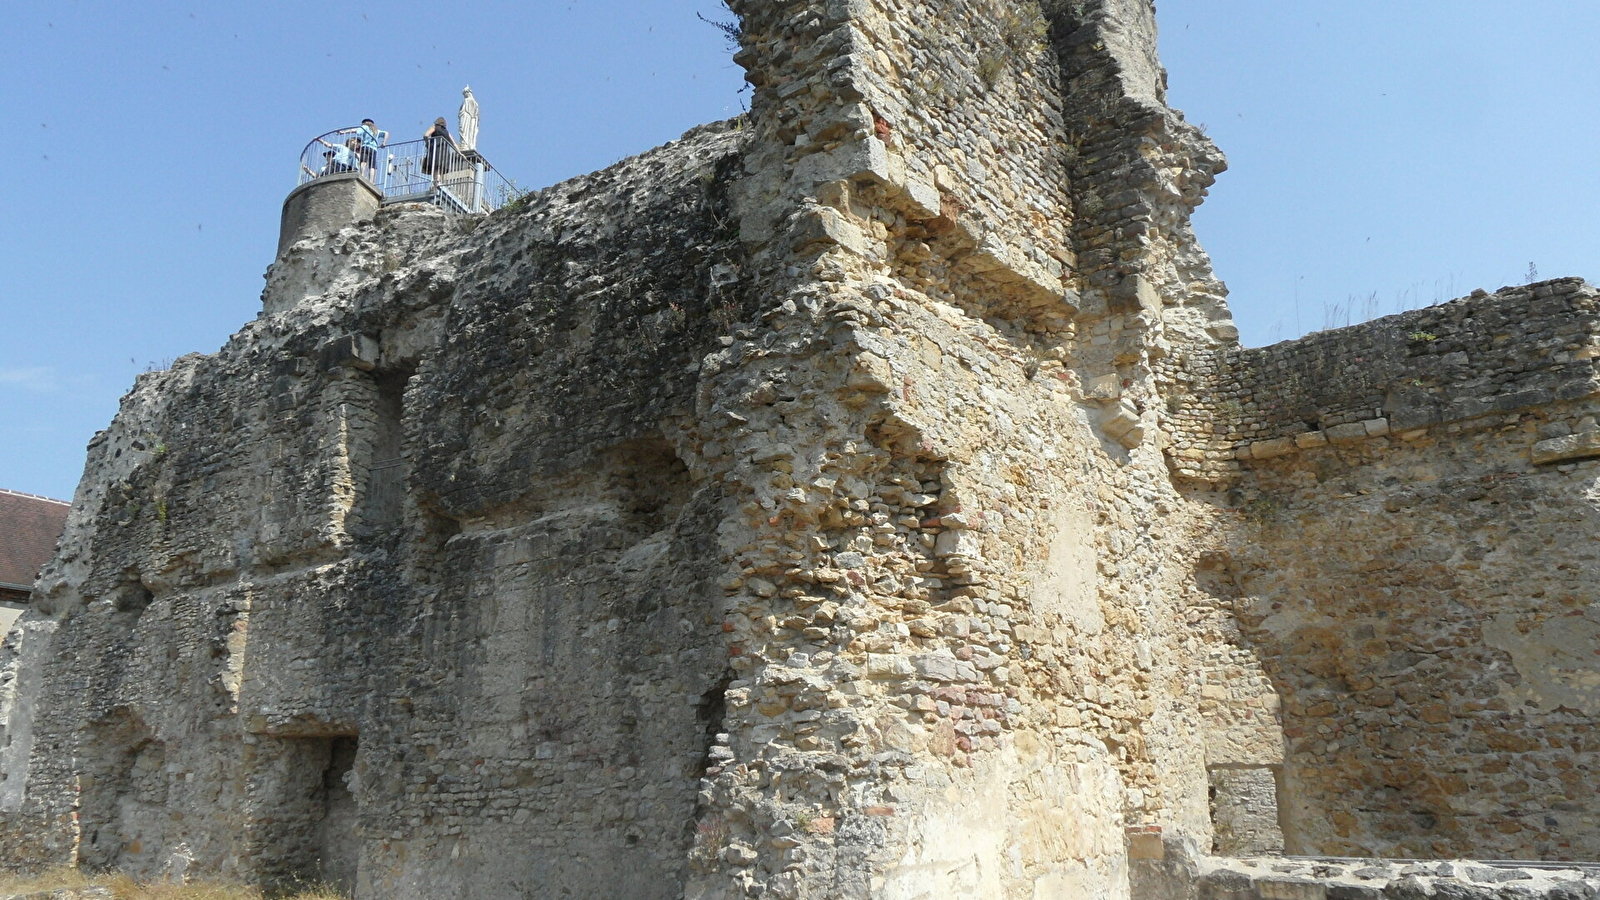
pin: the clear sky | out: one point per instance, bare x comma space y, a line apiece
1383, 154
1388, 155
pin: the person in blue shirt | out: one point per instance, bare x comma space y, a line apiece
341, 157
370, 140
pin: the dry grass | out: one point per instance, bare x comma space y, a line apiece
123, 887
44, 881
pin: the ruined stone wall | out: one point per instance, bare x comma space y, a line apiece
935, 132
790, 512
1522, 347
943, 567
1413, 569
1144, 289
334, 601
565, 675
728, 523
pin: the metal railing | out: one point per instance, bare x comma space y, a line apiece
431, 170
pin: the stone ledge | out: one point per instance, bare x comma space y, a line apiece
1348, 433
1583, 445
1281, 878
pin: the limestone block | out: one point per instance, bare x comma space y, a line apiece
1146, 843
956, 542
1273, 448
1122, 424
1353, 892
889, 666
352, 351
1347, 433
1582, 445
922, 199
992, 254
1103, 387
1141, 292
1311, 440
852, 10
865, 158
854, 118
1290, 889
850, 560
1226, 884
871, 373
770, 451
1225, 332
822, 224
944, 667
1011, 266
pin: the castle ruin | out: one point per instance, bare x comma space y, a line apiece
867, 498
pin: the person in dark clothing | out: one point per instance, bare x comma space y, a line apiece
441, 150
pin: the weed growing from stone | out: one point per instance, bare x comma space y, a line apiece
513, 198
1025, 28
731, 32
725, 315
989, 68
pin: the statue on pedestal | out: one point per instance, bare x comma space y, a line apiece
468, 119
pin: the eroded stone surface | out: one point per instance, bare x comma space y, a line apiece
866, 498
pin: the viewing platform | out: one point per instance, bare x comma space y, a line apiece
428, 170
347, 174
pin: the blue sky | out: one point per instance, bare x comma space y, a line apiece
1388, 155
1383, 154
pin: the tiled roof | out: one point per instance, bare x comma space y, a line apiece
29, 528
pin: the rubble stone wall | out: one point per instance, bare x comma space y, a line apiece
1488, 353
791, 512
728, 523
407, 587
1412, 568
1019, 693
1377, 879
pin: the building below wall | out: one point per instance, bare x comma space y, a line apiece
29, 528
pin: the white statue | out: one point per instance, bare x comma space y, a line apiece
468, 119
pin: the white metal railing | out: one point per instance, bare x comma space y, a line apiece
430, 170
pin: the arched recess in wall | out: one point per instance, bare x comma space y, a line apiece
305, 828
122, 805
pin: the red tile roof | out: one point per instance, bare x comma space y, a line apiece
29, 528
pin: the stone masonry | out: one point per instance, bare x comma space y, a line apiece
865, 498
1435, 650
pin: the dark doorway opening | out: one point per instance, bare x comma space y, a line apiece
312, 831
